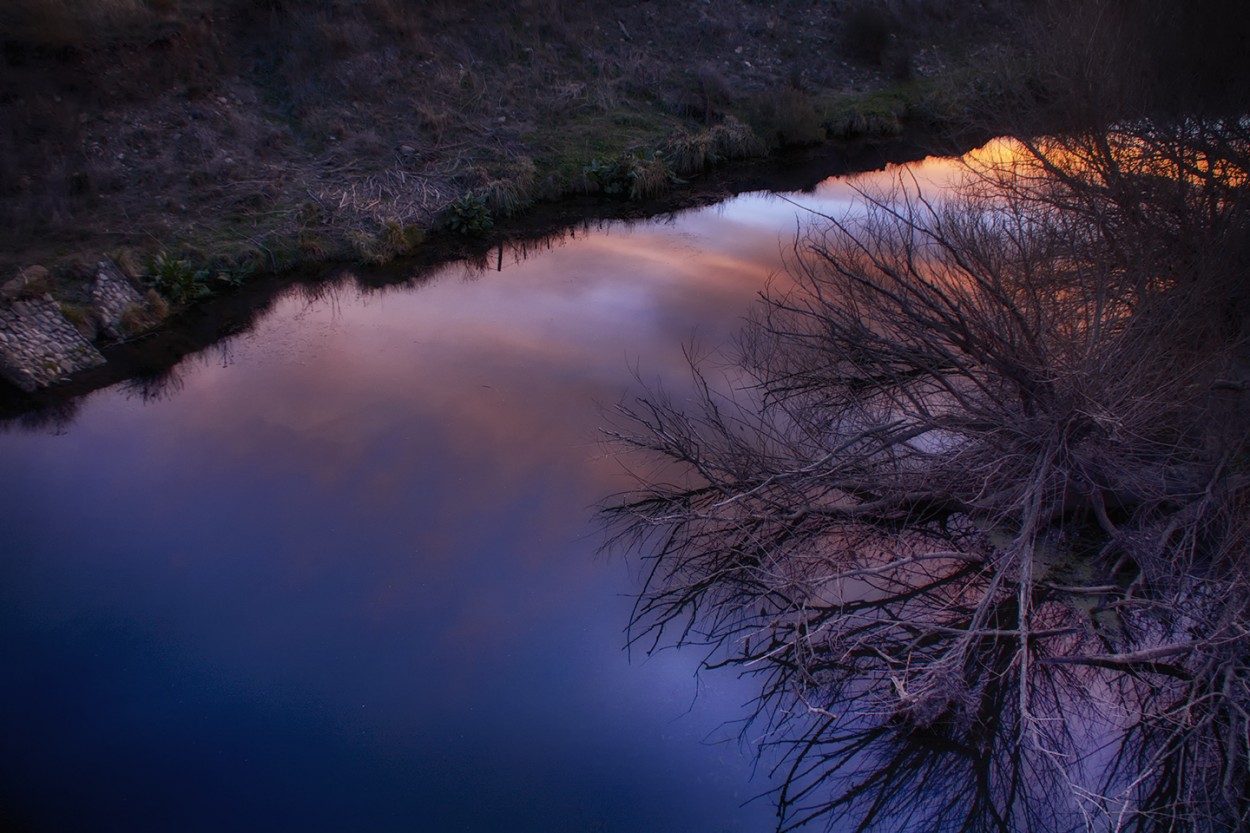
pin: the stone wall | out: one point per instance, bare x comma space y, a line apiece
114, 299
38, 347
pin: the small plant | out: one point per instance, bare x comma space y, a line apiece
178, 280
610, 177
470, 215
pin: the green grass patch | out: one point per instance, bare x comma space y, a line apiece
564, 151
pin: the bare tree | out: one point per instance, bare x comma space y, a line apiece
975, 510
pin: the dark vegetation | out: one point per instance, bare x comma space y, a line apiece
972, 504
242, 137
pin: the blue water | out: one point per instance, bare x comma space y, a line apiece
345, 574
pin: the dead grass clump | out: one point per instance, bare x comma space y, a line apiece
434, 119
156, 304
693, 152
138, 318
649, 176
636, 175
690, 152
513, 192
82, 317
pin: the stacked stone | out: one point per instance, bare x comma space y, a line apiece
113, 297
38, 347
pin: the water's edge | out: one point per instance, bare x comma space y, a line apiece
153, 355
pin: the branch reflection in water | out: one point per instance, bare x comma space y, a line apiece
973, 507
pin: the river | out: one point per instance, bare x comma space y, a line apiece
344, 572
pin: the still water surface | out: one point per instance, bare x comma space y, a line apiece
345, 575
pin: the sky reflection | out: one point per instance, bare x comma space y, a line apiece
346, 577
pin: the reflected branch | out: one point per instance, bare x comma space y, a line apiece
973, 509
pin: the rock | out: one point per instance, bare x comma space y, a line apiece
33, 280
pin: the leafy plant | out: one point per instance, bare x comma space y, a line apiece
471, 215
178, 280
610, 177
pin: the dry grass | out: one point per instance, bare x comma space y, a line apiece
690, 152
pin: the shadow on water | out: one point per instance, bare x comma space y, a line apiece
149, 364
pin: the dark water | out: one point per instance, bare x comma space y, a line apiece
344, 574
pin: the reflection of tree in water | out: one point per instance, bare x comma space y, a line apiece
155, 386
977, 515
53, 418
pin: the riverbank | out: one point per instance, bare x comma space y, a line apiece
148, 360
202, 146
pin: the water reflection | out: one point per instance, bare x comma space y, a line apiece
340, 572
